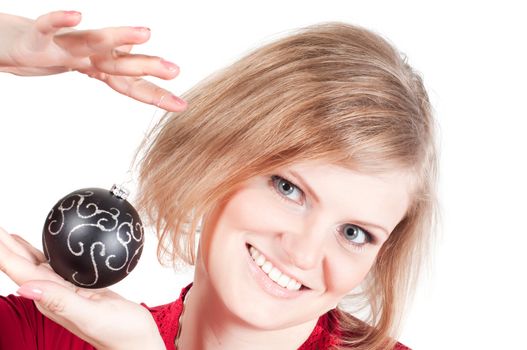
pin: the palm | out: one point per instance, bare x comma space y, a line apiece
35, 51
100, 316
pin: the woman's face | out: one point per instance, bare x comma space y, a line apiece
287, 247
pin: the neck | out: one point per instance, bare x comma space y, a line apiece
207, 325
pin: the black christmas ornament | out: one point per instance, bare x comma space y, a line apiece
93, 237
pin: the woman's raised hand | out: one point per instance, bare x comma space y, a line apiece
50, 45
99, 316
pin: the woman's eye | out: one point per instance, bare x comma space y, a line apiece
287, 189
356, 235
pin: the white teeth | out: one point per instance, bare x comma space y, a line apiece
267, 267
254, 252
283, 281
274, 273
291, 285
260, 260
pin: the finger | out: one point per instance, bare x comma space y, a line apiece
124, 48
52, 22
15, 266
89, 42
77, 309
105, 323
145, 91
19, 269
54, 298
61, 304
126, 64
47, 25
13, 244
36, 255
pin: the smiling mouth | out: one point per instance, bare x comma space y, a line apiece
277, 276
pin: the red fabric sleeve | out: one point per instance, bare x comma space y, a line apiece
23, 327
400, 346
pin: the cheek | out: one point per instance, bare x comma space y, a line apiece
249, 210
347, 271
253, 210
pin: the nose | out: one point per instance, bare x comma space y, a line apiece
305, 247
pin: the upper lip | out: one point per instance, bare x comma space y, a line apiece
279, 266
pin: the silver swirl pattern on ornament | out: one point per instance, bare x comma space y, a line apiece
93, 238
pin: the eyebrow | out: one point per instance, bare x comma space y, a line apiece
312, 193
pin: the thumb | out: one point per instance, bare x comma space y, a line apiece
54, 299
63, 305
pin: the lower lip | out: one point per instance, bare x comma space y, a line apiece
267, 284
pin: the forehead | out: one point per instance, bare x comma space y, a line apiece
382, 199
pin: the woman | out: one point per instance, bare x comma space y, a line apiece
308, 169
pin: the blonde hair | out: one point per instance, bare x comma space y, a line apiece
331, 91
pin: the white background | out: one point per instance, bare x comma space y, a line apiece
66, 132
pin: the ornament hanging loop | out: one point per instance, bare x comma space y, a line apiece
120, 192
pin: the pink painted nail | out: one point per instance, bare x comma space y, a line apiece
142, 29
170, 66
30, 292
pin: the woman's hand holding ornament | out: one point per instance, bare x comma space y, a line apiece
99, 316
50, 45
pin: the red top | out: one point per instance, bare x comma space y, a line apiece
23, 327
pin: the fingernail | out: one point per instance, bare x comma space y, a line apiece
179, 101
76, 13
170, 66
30, 292
142, 29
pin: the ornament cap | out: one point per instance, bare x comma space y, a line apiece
119, 191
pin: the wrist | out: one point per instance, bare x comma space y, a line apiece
11, 27
148, 340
